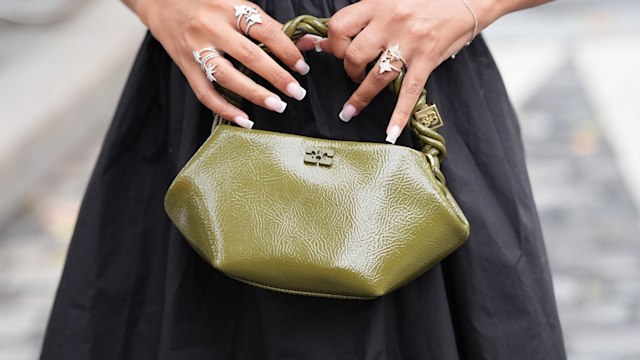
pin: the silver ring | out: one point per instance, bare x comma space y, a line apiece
211, 53
197, 54
251, 16
391, 54
209, 69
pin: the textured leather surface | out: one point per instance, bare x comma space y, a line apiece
370, 222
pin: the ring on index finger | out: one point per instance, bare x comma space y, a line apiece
251, 16
388, 56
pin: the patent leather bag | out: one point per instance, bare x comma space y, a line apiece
318, 217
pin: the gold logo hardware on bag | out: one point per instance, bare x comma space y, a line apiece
319, 156
318, 217
429, 117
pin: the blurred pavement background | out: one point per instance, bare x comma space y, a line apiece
572, 71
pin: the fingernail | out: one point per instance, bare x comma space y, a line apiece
296, 91
275, 104
347, 112
302, 67
316, 44
243, 121
393, 134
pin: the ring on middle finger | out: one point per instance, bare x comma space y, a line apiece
197, 54
211, 53
389, 55
251, 16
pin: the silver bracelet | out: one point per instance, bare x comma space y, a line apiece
475, 21
475, 26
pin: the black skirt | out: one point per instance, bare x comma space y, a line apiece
132, 287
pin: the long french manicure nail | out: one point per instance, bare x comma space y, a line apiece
243, 121
393, 134
296, 91
316, 44
347, 113
275, 104
302, 67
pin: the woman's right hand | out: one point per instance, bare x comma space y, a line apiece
184, 26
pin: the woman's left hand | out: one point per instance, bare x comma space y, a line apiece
427, 32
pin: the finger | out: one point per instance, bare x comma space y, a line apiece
270, 33
412, 86
310, 42
374, 82
345, 24
360, 52
232, 79
249, 54
209, 97
323, 45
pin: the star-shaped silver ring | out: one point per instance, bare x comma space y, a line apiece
197, 54
251, 16
391, 54
203, 56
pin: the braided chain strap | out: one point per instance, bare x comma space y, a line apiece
424, 120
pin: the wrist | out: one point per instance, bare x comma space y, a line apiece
487, 11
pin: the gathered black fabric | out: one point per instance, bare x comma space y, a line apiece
133, 288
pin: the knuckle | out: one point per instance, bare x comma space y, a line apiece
353, 55
380, 78
222, 108
413, 88
402, 115
418, 30
197, 22
279, 78
265, 33
254, 94
403, 13
247, 52
335, 27
226, 113
290, 55
221, 74
361, 98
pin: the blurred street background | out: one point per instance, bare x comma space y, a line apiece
572, 71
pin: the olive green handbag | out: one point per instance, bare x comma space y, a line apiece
318, 217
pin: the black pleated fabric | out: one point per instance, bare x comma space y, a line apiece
132, 287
